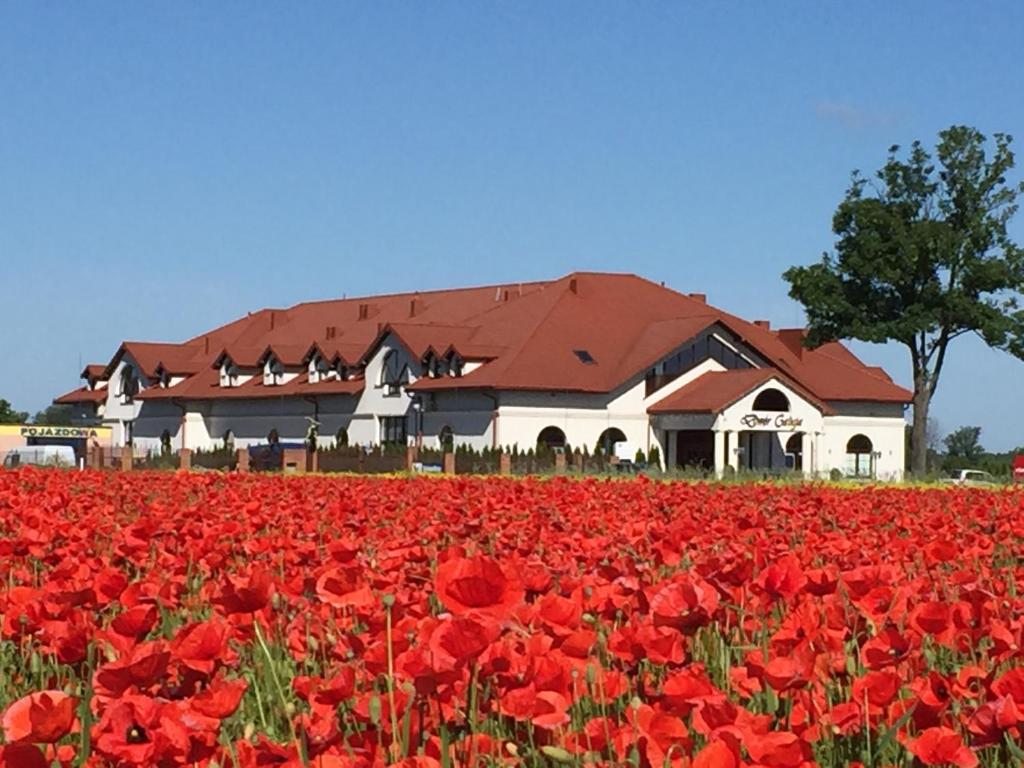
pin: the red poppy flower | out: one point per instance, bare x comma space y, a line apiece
136, 622
685, 605
777, 749
477, 585
220, 698
22, 756
878, 688
201, 646
40, 718
783, 579
246, 595
942, 746
717, 754
344, 588
142, 667
786, 673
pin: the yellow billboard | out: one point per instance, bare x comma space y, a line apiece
28, 431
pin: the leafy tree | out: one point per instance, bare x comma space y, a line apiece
965, 444
10, 416
54, 415
922, 257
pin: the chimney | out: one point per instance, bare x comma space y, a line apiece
574, 285
793, 338
415, 307
206, 345
273, 319
701, 297
364, 311
763, 324
330, 332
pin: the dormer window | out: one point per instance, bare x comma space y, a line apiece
319, 369
455, 365
273, 372
434, 366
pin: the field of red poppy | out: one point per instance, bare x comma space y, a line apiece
237, 620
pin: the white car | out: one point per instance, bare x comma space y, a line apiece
974, 477
41, 456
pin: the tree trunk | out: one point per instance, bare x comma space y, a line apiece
919, 430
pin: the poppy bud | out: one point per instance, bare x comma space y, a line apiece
374, 708
556, 753
388, 600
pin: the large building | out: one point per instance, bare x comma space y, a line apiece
589, 359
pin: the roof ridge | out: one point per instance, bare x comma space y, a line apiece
432, 291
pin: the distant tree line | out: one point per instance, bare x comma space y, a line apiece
962, 449
55, 415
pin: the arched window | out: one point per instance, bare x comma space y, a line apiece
129, 384
859, 456
165, 442
771, 400
392, 373
341, 438
273, 438
446, 438
229, 441
551, 437
795, 451
606, 442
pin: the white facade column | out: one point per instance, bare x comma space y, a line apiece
733, 459
721, 460
808, 454
196, 434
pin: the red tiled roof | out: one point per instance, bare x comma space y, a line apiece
93, 371
206, 386
528, 334
82, 395
716, 390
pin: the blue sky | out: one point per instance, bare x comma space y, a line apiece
167, 167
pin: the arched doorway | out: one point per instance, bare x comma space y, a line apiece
771, 400
551, 437
795, 452
273, 438
860, 456
165, 443
229, 441
606, 442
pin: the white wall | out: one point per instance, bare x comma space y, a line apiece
469, 414
116, 413
374, 400
887, 435
518, 419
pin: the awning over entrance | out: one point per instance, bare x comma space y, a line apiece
754, 419
715, 391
